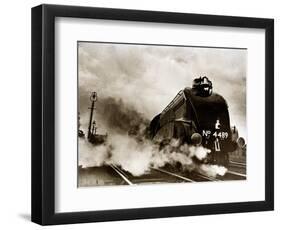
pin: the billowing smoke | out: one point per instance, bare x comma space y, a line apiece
139, 158
117, 117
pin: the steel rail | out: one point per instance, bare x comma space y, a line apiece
237, 164
173, 174
236, 173
206, 177
121, 174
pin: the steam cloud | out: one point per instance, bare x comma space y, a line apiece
139, 157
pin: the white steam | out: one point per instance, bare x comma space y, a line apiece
138, 157
212, 170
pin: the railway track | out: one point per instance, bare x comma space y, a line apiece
174, 174
114, 175
237, 170
169, 176
237, 164
121, 174
244, 176
205, 177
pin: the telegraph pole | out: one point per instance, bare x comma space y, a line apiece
93, 99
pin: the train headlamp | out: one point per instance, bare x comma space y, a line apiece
196, 139
241, 142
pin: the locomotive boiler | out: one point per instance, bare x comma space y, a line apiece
198, 116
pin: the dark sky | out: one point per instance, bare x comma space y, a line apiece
146, 78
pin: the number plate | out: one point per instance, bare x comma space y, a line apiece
216, 134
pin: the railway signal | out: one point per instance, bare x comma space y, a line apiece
93, 98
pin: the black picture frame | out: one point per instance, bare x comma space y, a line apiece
43, 113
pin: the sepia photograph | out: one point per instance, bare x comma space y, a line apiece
150, 114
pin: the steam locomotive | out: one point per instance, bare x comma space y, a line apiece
198, 116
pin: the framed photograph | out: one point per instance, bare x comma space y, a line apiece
143, 114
